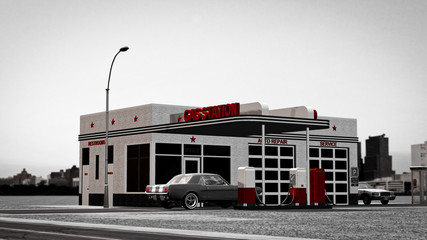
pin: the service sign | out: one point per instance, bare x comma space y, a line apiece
225, 110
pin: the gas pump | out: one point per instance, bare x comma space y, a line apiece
246, 186
297, 185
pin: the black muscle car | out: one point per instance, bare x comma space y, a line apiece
189, 190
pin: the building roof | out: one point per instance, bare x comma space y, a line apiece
235, 126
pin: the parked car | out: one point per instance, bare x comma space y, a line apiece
189, 190
367, 193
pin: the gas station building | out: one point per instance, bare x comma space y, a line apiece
150, 144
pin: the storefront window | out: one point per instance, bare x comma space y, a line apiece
138, 167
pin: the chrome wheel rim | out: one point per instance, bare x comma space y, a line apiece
191, 200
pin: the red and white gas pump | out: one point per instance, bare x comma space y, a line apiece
246, 186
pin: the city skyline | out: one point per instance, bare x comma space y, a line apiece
363, 60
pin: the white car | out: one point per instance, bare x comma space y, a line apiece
367, 193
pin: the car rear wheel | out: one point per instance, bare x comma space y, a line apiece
190, 201
384, 202
366, 200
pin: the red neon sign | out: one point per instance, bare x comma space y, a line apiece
225, 110
102, 142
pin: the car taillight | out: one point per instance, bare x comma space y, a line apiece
166, 190
147, 190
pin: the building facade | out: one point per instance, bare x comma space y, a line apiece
149, 144
419, 173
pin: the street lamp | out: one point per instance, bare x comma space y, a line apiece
106, 204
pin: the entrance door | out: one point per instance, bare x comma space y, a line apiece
191, 165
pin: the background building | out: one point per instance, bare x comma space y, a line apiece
419, 173
24, 178
64, 178
378, 162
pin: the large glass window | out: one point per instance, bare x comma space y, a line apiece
138, 167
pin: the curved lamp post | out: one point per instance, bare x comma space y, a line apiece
106, 202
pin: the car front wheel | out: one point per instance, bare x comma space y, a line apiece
366, 200
190, 201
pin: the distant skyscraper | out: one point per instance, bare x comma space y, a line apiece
377, 161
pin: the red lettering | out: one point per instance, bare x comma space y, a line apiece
218, 111
332, 144
187, 115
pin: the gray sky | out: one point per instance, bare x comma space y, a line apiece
355, 59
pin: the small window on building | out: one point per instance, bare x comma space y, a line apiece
329, 176
110, 154
327, 153
271, 187
340, 165
329, 187
168, 148
212, 150
286, 163
287, 151
314, 163
341, 199
85, 156
258, 175
97, 167
271, 163
340, 176
340, 153
327, 164
271, 151
255, 162
255, 150
192, 150
271, 175
284, 175
341, 187
314, 152
284, 187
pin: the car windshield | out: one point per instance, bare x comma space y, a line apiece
180, 179
365, 186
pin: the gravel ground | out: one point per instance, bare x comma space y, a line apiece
398, 221
375, 222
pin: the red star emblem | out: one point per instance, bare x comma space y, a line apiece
193, 139
135, 119
113, 122
179, 118
334, 128
91, 125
